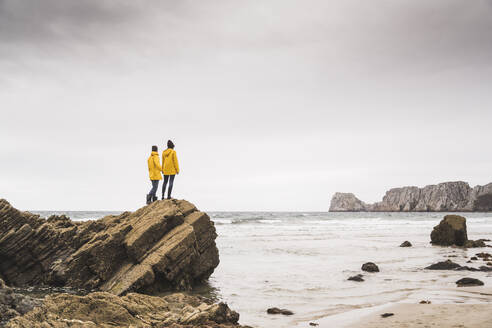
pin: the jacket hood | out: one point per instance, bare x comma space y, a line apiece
167, 152
154, 153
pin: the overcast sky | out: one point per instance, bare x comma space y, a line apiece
272, 105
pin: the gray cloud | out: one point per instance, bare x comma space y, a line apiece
273, 105
54, 20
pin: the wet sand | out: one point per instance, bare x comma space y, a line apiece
408, 314
430, 315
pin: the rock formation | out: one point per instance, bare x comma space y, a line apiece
167, 245
102, 309
450, 231
444, 197
342, 202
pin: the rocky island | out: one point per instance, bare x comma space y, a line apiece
117, 261
444, 197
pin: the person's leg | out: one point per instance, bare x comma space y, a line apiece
149, 195
164, 184
154, 197
155, 185
170, 189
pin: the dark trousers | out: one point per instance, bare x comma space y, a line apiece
167, 178
155, 186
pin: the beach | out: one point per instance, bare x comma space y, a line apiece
430, 315
301, 261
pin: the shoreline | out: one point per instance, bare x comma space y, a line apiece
409, 314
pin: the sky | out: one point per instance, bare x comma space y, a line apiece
272, 105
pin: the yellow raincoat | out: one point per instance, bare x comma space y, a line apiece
154, 166
170, 164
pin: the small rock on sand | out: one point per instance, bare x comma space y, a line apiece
275, 310
370, 267
468, 282
356, 278
385, 315
406, 243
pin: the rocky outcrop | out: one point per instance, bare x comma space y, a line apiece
444, 197
450, 231
167, 245
101, 309
13, 304
342, 202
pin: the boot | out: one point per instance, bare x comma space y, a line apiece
149, 200
154, 198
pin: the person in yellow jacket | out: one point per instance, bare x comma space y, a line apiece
154, 174
170, 168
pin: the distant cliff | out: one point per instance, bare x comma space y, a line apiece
444, 197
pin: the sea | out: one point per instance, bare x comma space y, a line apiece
300, 261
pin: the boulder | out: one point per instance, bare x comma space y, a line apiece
357, 278
445, 265
102, 309
370, 267
406, 244
468, 282
450, 231
13, 304
167, 245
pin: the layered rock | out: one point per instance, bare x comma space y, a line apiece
102, 309
444, 197
168, 245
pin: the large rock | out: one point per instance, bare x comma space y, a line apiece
450, 231
346, 202
167, 245
101, 309
443, 197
